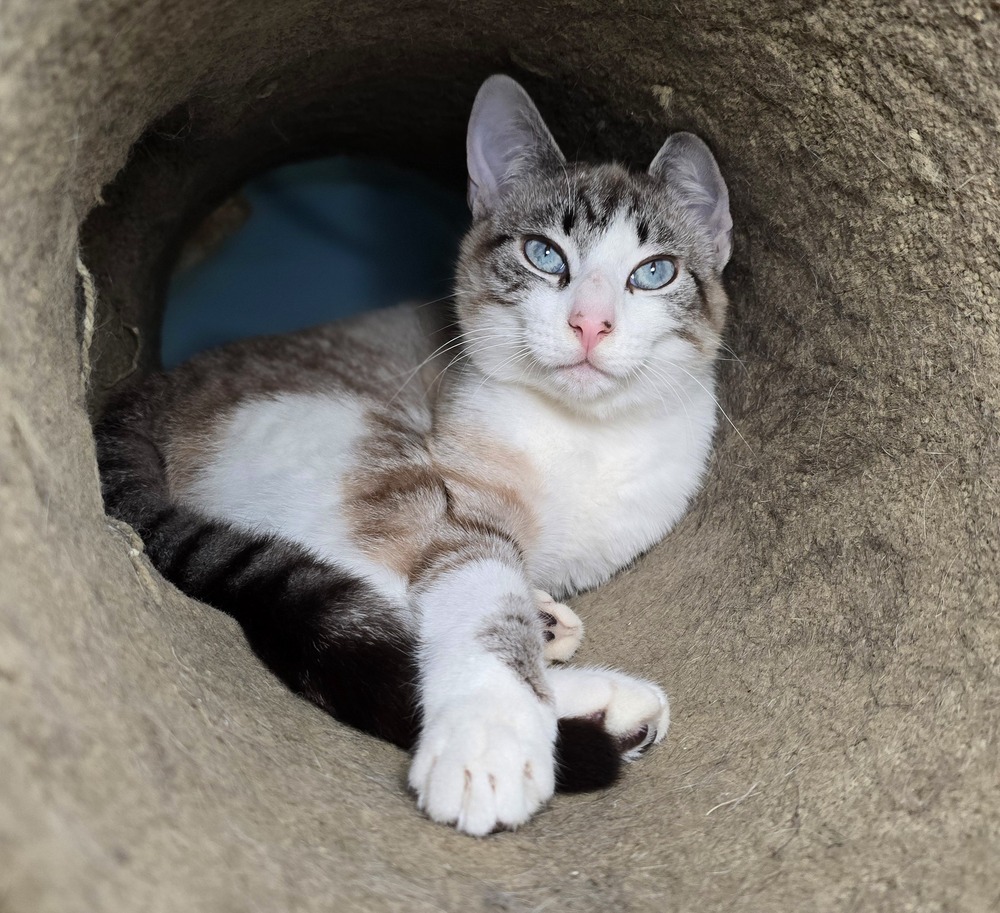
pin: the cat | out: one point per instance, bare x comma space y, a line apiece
393, 508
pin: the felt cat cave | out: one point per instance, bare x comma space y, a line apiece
824, 618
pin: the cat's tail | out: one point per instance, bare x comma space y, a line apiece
326, 634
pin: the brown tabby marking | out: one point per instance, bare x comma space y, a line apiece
395, 497
422, 513
452, 552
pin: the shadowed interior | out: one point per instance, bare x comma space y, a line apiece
824, 619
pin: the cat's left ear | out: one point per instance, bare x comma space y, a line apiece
507, 141
687, 164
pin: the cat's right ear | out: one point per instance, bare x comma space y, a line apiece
507, 140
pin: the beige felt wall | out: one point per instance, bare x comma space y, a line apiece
826, 619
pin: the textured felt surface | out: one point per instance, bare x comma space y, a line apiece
825, 619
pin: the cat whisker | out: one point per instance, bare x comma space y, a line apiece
719, 405
679, 393
727, 348
450, 343
466, 354
458, 341
425, 304
441, 350
522, 352
454, 361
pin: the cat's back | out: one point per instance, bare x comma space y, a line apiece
370, 355
236, 407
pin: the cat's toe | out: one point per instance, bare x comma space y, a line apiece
638, 715
636, 741
562, 628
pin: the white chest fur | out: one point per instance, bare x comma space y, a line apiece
610, 489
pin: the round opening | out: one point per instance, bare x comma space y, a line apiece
307, 244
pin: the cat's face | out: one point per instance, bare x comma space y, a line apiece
594, 286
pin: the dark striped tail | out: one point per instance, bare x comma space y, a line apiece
588, 757
328, 636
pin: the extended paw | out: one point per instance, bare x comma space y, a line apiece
634, 711
562, 628
485, 763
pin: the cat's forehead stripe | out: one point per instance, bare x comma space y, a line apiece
642, 230
602, 198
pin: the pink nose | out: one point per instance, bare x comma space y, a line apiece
590, 330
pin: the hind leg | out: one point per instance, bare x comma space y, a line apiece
562, 628
635, 712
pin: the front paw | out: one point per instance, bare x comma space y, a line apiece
484, 763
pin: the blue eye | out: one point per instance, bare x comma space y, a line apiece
653, 274
543, 254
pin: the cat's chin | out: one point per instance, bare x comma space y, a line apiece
582, 374
582, 381
589, 391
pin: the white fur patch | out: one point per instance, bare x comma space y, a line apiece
279, 468
611, 488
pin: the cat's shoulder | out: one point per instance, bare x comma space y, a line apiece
368, 355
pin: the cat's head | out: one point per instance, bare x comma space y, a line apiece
598, 287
